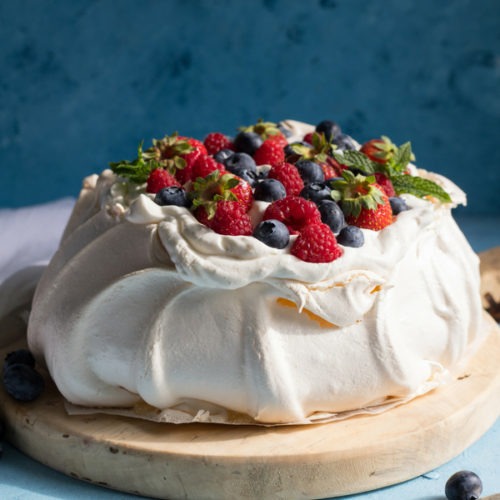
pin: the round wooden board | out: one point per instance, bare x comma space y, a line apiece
221, 461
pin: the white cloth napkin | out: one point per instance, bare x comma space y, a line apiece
29, 236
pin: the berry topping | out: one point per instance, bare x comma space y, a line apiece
398, 205
247, 142
463, 485
295, 212
229, 217
273, 233
269, 190
316, 243
22, 382
270, 153
363, 202
329, 129
316, 192
205, 165
159, 179
331, 215
173, 195
351, 236
215, 141
385, 183
222, 155
379, 150
242, 165
343, 142
289, 176
310, 171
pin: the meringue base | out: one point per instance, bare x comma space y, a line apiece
292, 462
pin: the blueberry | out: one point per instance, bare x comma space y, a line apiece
273, 233
172, 195
351, 236
310, 171
316, 192
240, 160
331, 215
222, 155
21, 356
269, 190
22, 382
343, 142
247, 142
329, 128
398, 205
289, 152
463, 485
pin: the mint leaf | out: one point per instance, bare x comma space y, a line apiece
420, 187
402, 157
356, 159
137, 170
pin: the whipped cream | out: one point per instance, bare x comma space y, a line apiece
142, 303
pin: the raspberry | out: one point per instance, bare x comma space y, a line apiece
289, 176
159, 179
308, 138
215, 141
295, 212
270, 153
316, 243
385, 184
279, 139
230, 218
205, 165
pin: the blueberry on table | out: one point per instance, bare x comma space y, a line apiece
351, 236
310, 171
23, 382
316, 192
269, 190
273, 233
172, 195
247, 142
329, 129
398, 205
20, 356
331, 215
463, 485
242, 165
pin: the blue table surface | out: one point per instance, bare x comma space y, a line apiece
24, 478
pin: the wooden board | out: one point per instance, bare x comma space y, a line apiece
217, 461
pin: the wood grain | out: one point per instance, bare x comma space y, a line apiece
218, 461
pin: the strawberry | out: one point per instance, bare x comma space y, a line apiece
385, 183
379, 150
332, 168
270, 153
316, 243
289, 176
204, 165
208, 191
215, 141
194, 143
363, 202
295, 212
158, 179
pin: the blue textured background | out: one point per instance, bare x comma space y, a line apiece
82, 82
